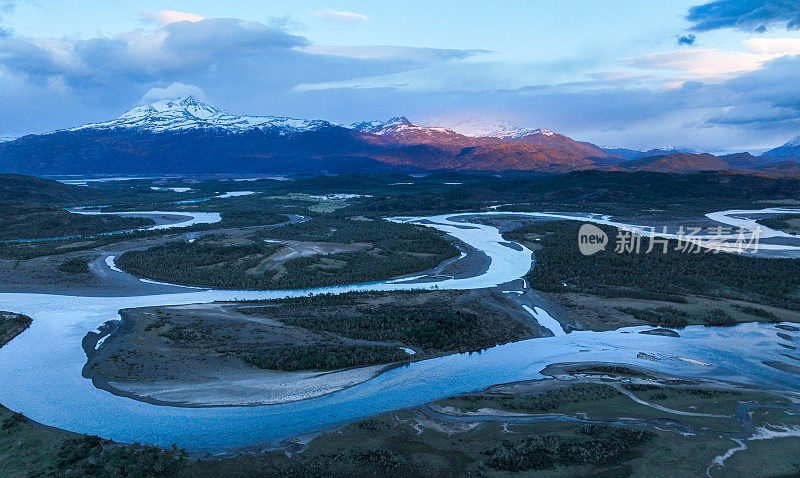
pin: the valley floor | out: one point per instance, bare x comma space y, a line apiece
587, 419
225, 354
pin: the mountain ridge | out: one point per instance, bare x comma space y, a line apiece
189, 136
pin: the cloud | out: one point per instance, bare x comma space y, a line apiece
165, 17
747, 15
6, 6
721, 98
141, 56
341, 17
718, 65
687, 39
245, 66
175, 90
617, 76
393, 52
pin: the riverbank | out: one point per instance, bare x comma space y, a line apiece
592, 418
587, 428
48, 360
11, 325
225, 354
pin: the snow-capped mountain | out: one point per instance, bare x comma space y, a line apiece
189, 113
480, 129
396, 125
790, 150
188, 136
380, 127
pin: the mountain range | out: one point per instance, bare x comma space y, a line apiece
189, 136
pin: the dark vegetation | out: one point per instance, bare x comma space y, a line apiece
431, 321
322, 332
324, 357
773, 282
758, 312
626, 194
782, 223
20, 220
394, 250
594, 445
18, 187
29, 449
94, 456
542, 402
675, 319
74, 266
615, 193
201, 264
11, 325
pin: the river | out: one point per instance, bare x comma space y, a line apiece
42, 367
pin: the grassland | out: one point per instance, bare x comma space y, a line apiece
609, 290
415, 444
28, 449
412, 443
20, 220
430, 322
377, 250
787, 223
324, 332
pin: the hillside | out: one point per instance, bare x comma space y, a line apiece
18, 187
676, 163
188, 136
788, 151
525, 157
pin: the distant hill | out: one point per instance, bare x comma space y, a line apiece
18, 187
676, 163
523, 157
789, 150
781, 169
188, 136
625, 154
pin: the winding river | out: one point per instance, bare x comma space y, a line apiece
42, 367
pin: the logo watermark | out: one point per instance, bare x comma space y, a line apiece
688, 240
591, 239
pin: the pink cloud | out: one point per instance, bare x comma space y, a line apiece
165, 17
338, 16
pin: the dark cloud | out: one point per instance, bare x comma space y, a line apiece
687, 39
249, 66
774, 85
748, 15
230, 52
255, 68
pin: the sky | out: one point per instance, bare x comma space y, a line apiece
718, 76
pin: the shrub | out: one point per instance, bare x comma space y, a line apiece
74, 266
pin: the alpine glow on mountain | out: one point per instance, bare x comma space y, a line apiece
189, 113
186, 135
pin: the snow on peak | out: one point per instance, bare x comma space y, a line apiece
481, 129
382, 127
793, 142
189, 113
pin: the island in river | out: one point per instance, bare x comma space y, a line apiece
291, 349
